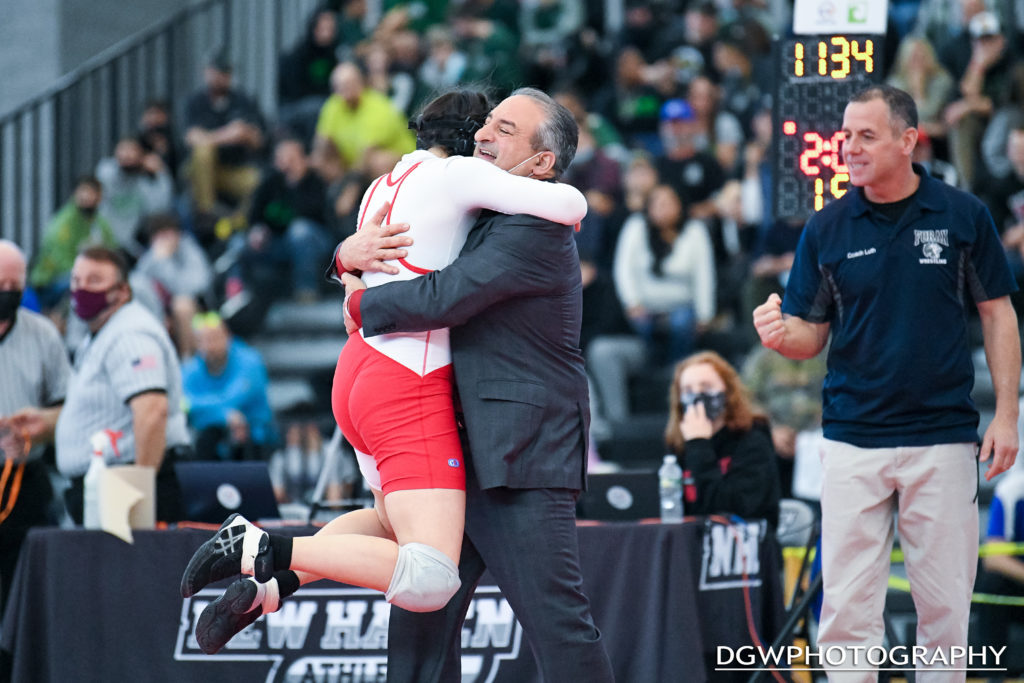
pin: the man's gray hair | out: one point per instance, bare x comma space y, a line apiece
558, 133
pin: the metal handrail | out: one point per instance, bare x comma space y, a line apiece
50, 139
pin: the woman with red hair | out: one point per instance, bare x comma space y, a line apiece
722, 440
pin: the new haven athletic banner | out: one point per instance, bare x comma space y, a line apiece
87, 607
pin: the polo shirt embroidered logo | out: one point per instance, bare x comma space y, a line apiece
860, 252
933, 241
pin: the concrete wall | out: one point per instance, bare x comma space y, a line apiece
40, 40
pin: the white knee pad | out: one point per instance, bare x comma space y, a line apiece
425, 579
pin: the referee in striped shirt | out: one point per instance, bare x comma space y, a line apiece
34, 367
126, 381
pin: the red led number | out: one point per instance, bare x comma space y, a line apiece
821, 153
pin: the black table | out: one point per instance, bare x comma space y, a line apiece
87, 607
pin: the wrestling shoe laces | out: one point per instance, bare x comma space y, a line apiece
238, 547
241, 604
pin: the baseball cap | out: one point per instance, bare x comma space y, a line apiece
676, 110
984, 24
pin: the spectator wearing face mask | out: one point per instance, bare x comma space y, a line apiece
77, 223
722, 440
135, 184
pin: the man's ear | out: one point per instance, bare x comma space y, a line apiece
910, 139
543, 165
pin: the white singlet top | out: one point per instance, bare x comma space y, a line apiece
439, 199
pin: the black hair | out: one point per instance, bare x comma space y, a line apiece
158, 222
450, 120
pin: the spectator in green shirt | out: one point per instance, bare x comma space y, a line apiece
74, 225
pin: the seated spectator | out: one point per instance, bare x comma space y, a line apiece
226, 394
296, 469
345, 194
548, 29
382, 76
352, 120
178, 267
135, 185
718, 131
286, 227
444, 64
224, 132
790, 390
996, 164
696, 175
1005, 199
664, 274
491, 45
917, 71
304, 75
630, 102
985, 85
157, 135
723, 442
76, 224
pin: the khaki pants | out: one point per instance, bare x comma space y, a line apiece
933, 489
208, 177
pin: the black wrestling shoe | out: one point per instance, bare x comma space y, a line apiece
238, 547
227, 615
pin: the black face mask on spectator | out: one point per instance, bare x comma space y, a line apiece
9, 301
714, 403
88, 211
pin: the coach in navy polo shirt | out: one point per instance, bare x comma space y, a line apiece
888, 270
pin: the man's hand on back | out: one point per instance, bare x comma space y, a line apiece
370, 248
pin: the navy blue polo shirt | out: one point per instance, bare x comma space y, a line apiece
895, 295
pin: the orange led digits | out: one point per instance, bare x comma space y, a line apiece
807, 160
842, 57
867, 56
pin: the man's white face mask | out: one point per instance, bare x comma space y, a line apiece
526, 160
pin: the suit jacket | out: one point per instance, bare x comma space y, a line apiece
513, 299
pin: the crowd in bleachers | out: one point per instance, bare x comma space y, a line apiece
230, 208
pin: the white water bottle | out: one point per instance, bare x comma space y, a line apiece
91, 490
670, 480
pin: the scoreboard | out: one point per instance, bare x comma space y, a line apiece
814, 78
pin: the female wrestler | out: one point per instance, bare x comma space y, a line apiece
392, 399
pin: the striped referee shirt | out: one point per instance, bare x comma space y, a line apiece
131, 354
33, 364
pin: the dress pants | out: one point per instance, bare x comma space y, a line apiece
527, 539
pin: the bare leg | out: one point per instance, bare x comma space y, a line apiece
361, 547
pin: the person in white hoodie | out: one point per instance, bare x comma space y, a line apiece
664, 272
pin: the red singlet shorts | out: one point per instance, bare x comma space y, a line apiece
405, 421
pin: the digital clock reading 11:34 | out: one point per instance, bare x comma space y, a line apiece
814, 79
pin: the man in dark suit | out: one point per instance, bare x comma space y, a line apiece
513, 302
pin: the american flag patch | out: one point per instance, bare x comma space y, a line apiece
144, 363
